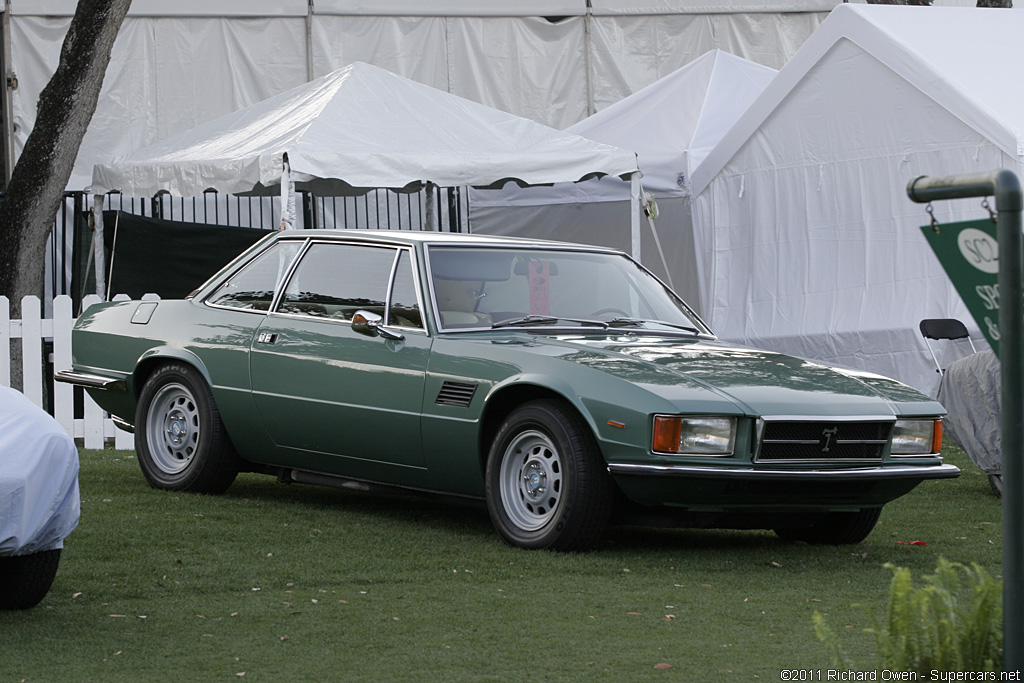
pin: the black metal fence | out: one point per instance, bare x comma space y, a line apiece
380, 209
70, 264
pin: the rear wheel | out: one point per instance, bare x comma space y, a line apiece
835, 528
547, 483
995, 481
179, 435
26, 579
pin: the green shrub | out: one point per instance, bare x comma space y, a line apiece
943, 625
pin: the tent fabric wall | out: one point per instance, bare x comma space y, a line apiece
671, 124
176, 65
165, 76
806, 241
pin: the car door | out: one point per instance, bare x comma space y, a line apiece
338, 399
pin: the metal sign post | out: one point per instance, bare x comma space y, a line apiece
1006, 188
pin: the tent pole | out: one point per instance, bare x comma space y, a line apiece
634, 204
287, 196
588, 59
97, 246
431, 224
309, 41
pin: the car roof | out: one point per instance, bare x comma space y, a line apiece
441, 238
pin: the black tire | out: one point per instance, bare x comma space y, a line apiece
25, 580
179, 436
835, 528
995, 481
547, 483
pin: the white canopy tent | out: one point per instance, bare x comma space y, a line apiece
806, 240
671, 124
358, 128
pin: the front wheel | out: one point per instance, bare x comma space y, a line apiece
835, 528
547, 483
179, 436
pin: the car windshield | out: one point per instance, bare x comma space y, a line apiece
499, 287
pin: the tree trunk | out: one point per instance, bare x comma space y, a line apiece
65, 107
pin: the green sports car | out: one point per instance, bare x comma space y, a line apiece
564, 385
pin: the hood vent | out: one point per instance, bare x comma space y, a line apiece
456, 394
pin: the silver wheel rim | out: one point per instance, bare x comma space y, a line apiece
531, 480
172, 428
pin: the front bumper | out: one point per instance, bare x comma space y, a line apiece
919, 473
771, 489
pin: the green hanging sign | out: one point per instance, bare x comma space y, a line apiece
969, 253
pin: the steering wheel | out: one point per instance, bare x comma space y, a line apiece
614, 312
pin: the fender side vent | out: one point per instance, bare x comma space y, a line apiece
456, 394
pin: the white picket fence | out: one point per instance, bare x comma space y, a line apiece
95, 428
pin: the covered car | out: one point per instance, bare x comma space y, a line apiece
39, 499
564, 385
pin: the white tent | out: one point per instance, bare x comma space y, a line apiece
807, 242
671, 124
359, 127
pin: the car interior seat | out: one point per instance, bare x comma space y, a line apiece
457, 301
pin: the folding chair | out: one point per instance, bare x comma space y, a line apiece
943, 328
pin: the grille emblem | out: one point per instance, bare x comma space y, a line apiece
826, 439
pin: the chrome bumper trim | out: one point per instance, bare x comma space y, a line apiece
846, 474
91, 381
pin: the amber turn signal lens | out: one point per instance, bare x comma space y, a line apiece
667, 431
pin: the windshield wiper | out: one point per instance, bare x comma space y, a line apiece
627, 322
547, 320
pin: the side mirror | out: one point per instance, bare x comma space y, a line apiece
372, 325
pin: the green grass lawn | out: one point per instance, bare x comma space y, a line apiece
272, 582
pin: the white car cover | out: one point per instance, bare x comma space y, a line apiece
970, 391
39, 499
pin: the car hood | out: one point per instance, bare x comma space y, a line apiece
757, 382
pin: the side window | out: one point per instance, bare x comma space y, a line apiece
336, 280
253, 287
405, 307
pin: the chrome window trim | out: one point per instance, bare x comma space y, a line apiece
280, 287
416, 288
287, 277
310, 242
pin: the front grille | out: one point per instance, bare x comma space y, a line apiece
784, 440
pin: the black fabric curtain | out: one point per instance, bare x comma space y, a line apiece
168, 258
